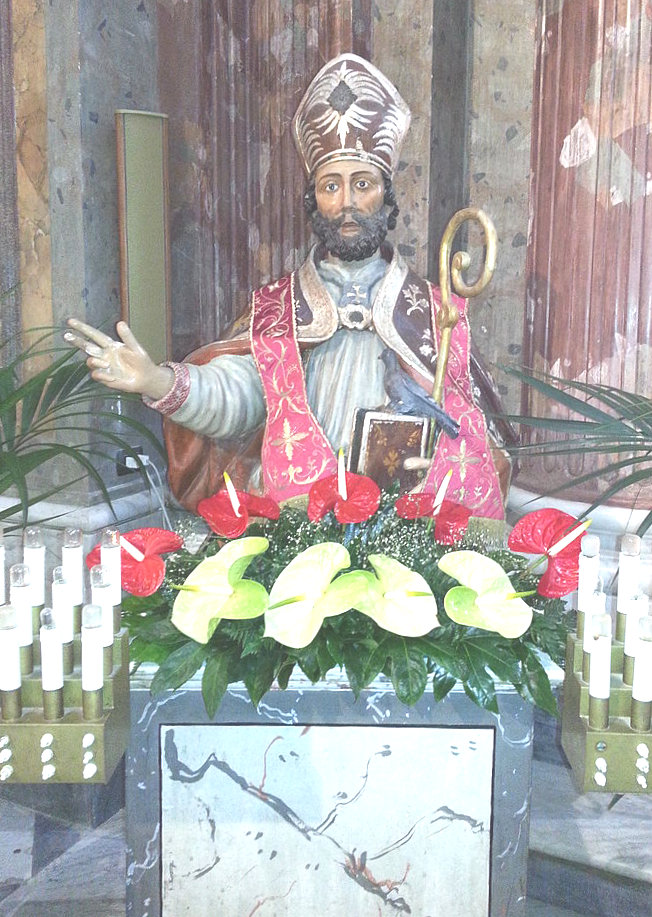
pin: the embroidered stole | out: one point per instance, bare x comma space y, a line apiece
295, 451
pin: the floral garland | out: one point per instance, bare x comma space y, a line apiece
362, 581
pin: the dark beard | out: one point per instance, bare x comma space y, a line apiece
373, 230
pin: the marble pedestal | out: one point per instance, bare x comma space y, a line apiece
317, 804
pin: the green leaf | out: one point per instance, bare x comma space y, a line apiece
285, 671
478, 684
442, 683
497, 655
259, 673
143, 651
535, 685
407, 670
214, 683
360, 663
178, 667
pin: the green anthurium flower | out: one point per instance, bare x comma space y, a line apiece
486, 598
299, 599
215, 590
397, 598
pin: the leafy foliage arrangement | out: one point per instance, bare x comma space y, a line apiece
238, 651
54, 412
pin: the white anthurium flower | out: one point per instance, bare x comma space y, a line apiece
215, 590
298, 600
404, 603
486, 596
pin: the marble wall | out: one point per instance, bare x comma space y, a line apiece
499, 133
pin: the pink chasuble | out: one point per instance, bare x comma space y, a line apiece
295, 451
475, 482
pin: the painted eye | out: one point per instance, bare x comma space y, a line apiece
331, 186
363, 184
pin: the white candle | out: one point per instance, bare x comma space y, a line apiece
600, 664
637, 607
110, 557
588, 571
131, 549
20, 596
629, 570
233, 496
569, 538
34, 557
642, 682
51, 653
441, 492
62, 605
72, 560
9, 649
101, 595
92, 652
341, 476
595, 607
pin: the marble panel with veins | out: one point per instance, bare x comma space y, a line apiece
281, 819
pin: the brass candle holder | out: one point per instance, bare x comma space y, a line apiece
613, 757
85, 744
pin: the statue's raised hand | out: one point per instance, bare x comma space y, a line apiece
123, 364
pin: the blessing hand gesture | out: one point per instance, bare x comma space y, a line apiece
123, 365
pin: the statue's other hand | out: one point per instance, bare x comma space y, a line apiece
123, 365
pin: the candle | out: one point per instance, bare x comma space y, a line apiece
596, 606
110, 558
131, 549
441, 492
72, 561
101, 595
569, 538
62, 604
341, 476
600, 666
51, 667
9, 650
629, 570
20, 596
637, 608
233, 496
92, 665
10, 677
642, 684
34, 557
600, 672
62, 609
588, 571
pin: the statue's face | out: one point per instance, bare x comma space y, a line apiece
350, 219
346, 187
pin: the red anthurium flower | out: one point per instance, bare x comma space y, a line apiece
361, 502
223, 518
142, 577
451, 522
537, 533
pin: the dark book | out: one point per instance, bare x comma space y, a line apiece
381, 442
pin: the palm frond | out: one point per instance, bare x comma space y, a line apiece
609, 423
41, 406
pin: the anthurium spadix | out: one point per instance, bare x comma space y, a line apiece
397, 598
299, 599
215, 590
486, 597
